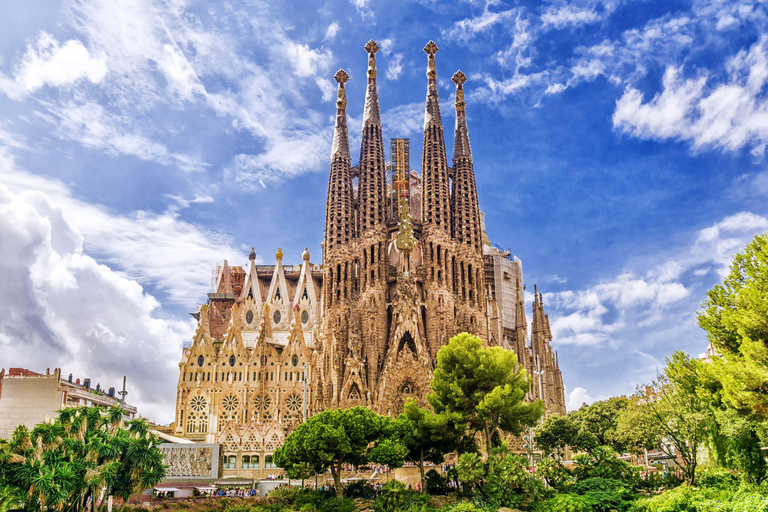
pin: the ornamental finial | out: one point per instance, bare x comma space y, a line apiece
459, 78
279, 254
252, 254
305, 254
342, 78
431, 50
371, 48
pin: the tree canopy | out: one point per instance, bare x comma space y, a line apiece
328, 440
484, 387
61, 464
735, 317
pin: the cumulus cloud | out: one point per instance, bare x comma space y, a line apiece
578, 397
69, 311
729, 115
48, 62
143, 246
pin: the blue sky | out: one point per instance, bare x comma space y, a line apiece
619, 152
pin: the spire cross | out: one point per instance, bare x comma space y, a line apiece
342, 78
459, 78
431, 50
371, 48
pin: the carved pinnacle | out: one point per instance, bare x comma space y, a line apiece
459, 78
341, 76
431, 49
371, 47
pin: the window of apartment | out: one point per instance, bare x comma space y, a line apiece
250, 462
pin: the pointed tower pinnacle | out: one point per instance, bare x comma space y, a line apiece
433, 104
461, 145
341, 134
434, 164
373, 172
338, 209
371, 114
465, 211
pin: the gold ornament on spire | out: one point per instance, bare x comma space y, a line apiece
342, 78
431, 49
459, 78
279, 254
371, 48
305, 254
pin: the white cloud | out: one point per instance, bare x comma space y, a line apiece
327, 88
568, 15
144, 246
330, 33
48, 62
578, 397
605, 313
469, 28
729, 115
90, 125
69, 311
395, 67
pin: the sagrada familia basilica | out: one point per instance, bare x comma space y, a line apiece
406, 266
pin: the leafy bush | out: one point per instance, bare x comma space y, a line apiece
602, 462
465, 507
360, 489
653, 482
565, 503
555, 474
718, 478
436, 484
285, 495
322, 501
604, 493
395, 497
239, 508
706, 499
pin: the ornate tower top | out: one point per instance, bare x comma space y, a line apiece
279, 254
252, 254
305, 254
342, 78
459, 79
431, 49
340, 146
461, 146
371, 48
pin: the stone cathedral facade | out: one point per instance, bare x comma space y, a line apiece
406, 266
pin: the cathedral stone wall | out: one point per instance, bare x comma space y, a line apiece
406, 266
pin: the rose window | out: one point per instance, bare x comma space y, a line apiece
293, 403
198, 403
230, 403
267, 416
262, 403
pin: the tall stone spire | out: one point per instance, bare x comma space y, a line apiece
465, 213
338, 211
434, 164
373, 172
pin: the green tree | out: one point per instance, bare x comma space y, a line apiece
600, 419
426, 436
671, 415
484, 387
328, 440
559, 432
735, 317
61, 464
